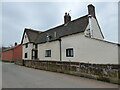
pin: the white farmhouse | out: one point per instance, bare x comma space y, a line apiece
80, 40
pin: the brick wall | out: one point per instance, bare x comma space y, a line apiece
12, 54
17, 52
7, 55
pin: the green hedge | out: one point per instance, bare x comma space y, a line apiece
6, 61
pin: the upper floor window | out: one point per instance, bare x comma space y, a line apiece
48, 38
88, 33
69, 52
48, 53
26, 45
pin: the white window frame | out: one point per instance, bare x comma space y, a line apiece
47, 53
69, 52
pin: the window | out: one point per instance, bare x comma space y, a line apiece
69, 52
25, 55
48, 38
26, 45
48, 53
88, 33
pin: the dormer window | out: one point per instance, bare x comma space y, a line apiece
48, 38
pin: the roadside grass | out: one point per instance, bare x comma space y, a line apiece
6, 61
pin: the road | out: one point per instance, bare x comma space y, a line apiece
14, 76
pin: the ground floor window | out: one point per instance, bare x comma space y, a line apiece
48, 53
69, 52
25, 55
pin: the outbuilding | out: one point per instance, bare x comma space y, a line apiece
12, 54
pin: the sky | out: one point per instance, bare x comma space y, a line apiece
41, 16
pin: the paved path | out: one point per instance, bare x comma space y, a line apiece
15, 76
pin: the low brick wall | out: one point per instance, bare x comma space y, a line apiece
104, 72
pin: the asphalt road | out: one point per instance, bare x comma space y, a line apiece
14, 76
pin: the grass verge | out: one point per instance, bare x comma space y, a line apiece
6, 61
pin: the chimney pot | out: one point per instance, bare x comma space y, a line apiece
15, 43
67, 18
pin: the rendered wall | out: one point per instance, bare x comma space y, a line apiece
94, 28
89, 50
55, 50
27, 50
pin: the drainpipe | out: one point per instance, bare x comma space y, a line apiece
60, 49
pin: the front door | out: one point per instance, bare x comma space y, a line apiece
36, 54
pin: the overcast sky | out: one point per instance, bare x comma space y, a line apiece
45, 15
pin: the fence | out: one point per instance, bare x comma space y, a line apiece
104, 72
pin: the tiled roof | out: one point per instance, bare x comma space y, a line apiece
32, 34
73, 27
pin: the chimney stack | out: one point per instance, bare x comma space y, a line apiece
91, 10
15, 43
67, 18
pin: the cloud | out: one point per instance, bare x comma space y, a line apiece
108, 19
0, 24
45, 15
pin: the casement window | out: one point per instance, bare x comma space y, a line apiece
48, 53
25, 55
26, 45
69, 52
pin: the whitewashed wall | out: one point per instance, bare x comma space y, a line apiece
89, 50
25, 40
55, 50
95, 27
27, 50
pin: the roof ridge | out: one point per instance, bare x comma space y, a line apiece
75, 26
64, 24
32, 30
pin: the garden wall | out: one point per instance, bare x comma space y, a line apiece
104, 72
